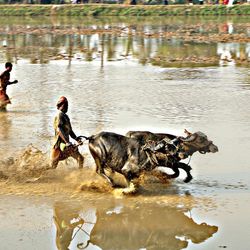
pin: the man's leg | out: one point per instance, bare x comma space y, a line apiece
55, 156
71, 151
76, 155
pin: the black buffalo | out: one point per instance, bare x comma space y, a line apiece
144, 136
127, 156
188, 145
182, 147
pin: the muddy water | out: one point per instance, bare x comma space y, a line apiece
75, 208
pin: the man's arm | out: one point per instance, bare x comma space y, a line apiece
60, 130
73, 135
62, 134
14, 82
5, 76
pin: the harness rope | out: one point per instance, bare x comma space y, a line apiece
189, 159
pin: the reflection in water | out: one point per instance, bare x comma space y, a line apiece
163, 42
5, 126
146, 226
66, 221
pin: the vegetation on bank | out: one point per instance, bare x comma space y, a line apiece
122, 10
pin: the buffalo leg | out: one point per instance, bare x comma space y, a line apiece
131, 185
176, 173
80, 159
187, 169
100, 171
164, 177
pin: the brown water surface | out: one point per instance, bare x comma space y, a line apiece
113, 84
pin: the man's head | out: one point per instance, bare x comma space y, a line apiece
62, 104
8, 66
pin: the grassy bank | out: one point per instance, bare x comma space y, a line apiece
122, 10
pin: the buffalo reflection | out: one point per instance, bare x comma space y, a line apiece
148, 226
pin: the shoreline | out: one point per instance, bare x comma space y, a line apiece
123, 10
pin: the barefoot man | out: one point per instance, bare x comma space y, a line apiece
63, 148
4, 82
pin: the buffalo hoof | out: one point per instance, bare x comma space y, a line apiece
114, 185
132, 189
188, 179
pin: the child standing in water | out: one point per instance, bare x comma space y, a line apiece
4, 82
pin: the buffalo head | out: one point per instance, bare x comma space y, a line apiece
194, 142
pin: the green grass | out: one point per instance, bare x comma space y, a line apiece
122, 10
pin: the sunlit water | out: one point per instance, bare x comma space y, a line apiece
125, 95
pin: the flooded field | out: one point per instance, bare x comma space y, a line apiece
122, 75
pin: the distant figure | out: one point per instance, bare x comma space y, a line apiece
63, 148
165, 2
4, 82
230, 27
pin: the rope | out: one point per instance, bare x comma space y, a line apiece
79, 228
85, 137
189, 159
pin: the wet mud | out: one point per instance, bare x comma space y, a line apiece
86, 212
29, 173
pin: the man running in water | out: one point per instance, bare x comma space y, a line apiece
62, 148
4, 82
